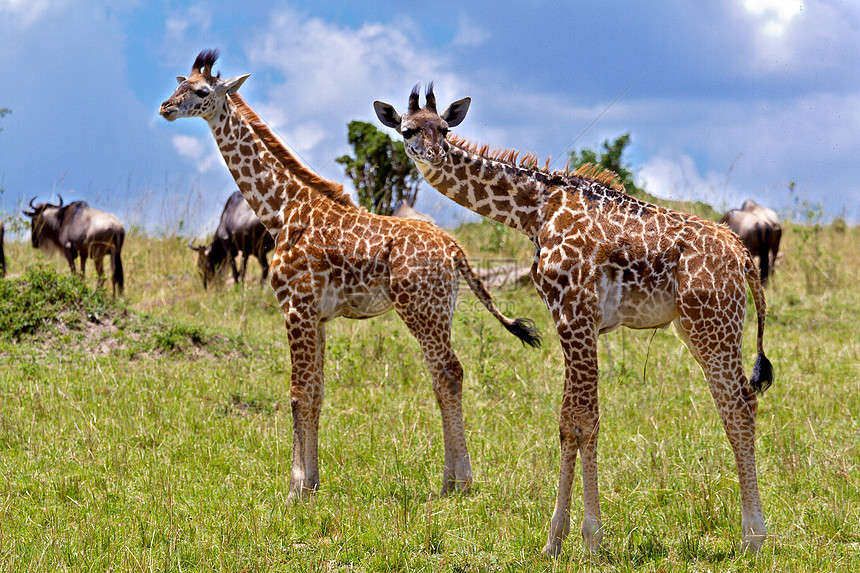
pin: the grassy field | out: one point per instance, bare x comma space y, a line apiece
154, 435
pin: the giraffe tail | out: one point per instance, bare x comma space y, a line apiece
762, 376
522, 328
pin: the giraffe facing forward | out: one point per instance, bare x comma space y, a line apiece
604, 259
334, 259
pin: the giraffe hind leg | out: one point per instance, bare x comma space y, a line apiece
429, 321
737, 405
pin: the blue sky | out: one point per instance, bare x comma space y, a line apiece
724, 100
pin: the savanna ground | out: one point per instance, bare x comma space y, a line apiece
154, 434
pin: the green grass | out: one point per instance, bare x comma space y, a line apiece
153, 433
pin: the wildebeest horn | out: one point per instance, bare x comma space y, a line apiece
61, 200
33, 207
194, 247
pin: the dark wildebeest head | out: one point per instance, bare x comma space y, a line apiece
78, 230
210, 259
45, 225
239, 230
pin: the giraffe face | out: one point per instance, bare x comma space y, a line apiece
424, 137
201, 94
424, 129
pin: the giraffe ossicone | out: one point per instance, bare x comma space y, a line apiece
334, 259
604, 259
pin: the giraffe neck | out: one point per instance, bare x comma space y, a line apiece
494, 189
270, 189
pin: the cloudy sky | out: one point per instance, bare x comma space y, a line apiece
724, 100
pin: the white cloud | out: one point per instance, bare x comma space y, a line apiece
469, 35
774, 16
331, 75
330, 69
27, 11
204, 153
678, 179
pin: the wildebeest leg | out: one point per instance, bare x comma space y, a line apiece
71, 254
100, 270
765, 238
307, 352
245, 257
233, 268
261, 256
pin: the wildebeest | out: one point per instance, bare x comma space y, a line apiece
770, 216
759, 229
76, 230
238, 230
2, 252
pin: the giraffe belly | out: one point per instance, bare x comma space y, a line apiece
355, 300
634, 306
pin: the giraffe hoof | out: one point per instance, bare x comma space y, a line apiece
551, 549
455, 486
298, 494
592, 534
754, 536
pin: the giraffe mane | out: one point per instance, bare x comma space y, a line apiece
276, 147
588, 171
599, 174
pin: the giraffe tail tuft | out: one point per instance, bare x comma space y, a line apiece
526, 331
762, 376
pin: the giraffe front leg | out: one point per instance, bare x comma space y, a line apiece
592, 527
559, 525
578, 430
307, 349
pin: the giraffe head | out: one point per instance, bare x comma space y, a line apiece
424, 129
201, 94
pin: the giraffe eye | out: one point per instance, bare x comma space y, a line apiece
444, 131
202, 93
409, 133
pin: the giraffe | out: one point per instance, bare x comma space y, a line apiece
334, 259
604, 259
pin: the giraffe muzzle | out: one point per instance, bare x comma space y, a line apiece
167, 111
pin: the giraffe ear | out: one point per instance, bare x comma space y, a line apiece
456, 112
180, 79
232, 85
387, 114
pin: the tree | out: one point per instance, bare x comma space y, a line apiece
382, 172
610, 158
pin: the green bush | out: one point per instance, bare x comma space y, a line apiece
42, 296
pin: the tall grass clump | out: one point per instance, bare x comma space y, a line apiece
42, 296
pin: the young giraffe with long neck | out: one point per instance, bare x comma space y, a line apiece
604, 259
334, 259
